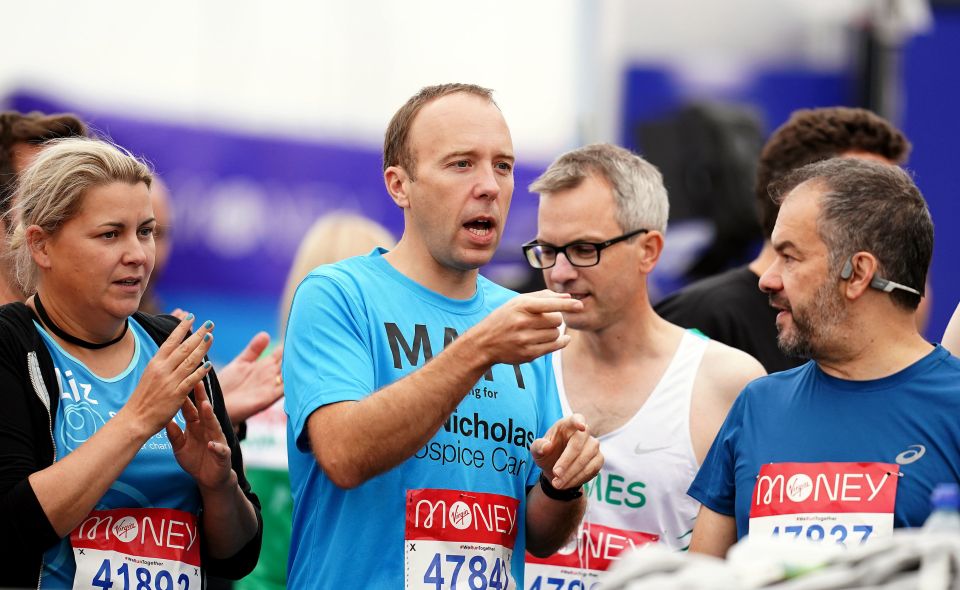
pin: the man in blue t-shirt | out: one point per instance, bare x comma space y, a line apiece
422, 410
848, 447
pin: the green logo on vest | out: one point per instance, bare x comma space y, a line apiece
613, 489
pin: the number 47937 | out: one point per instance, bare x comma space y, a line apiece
837, 533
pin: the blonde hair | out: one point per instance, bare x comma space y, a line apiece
50, 191
330, 239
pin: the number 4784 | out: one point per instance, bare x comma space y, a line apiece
477, 578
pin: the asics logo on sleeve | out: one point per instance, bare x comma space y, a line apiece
913, 453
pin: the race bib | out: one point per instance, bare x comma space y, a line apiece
137, 549
843, 503
578, 565
457, 539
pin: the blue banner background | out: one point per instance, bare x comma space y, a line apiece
242, 203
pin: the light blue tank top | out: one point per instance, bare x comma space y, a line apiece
153, 479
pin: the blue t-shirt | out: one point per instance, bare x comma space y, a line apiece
153, 479
354, 328
806, 416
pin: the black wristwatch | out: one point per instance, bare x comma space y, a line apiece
561, 495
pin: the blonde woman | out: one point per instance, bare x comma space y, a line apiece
118, 464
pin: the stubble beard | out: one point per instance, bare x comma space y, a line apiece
814, 326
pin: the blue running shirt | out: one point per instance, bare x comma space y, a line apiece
354, 328
907, 421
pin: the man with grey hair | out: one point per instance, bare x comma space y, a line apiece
729, 307
653, 393
847, 447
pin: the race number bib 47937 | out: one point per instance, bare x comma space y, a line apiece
457, 539
137, 549
843, 503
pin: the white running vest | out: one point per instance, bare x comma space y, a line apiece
649, 461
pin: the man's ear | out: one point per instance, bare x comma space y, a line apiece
397, 181
37, 240
651, 245
858, 271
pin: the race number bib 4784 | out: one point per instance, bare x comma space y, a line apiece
457, 539
137, 549
843, 503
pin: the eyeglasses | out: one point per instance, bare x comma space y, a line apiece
879, 283
580, 254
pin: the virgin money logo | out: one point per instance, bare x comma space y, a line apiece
799, 487
795, 488
126, 529
452, 515
460, 516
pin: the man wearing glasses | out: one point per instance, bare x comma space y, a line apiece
848, 447
653, 393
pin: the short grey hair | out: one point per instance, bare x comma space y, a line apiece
637, 185
871, 207
50, 191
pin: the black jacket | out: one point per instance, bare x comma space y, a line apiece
28, 401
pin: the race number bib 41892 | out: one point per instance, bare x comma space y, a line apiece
137, 549
843, 503
457, 539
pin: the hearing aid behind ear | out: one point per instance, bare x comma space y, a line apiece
847, 271
878, 283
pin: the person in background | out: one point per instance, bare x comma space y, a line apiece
162, 238
251, 381
333, 237
951, 336
654, 394
420, 404
847, 447
21, 138
729, 307
113, 422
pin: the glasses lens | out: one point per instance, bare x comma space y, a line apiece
540, 257
582, 254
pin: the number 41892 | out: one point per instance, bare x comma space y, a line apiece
144, 579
